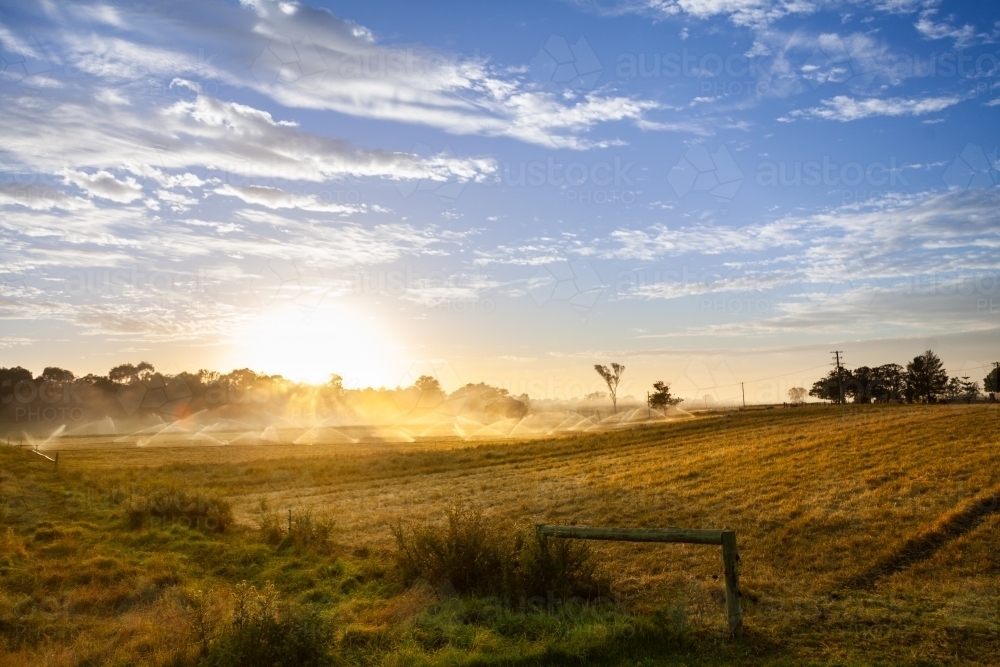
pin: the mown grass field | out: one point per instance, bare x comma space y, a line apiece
868, 535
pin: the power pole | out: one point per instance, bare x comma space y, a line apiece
996, 378
649, 414
840, 379
744, 396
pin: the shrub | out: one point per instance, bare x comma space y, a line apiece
264, 633
564, 568
484, 556
307, 532
171, 506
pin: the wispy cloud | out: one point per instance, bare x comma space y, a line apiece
104, 185
845, 109
963, 36
741, 12
752, 13
304, 57
275, 198
225, 138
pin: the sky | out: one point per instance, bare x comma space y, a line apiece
711, 192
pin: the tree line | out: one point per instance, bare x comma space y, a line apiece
922, 380
135, 391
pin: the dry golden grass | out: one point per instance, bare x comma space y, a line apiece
821, 497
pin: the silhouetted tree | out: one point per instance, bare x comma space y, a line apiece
860, 383
506, 406
797, 394
129, 374
11, 376
55, 374
889, 382
828, 388
427, 384
335, 386
612, 376
953, 389
661, 397
970, 389
992, 381
926, 377
10, 381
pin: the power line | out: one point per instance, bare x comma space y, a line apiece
969, 368
773, 377
806, 370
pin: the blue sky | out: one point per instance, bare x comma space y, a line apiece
709, 191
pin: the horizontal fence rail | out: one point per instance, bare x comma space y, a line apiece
679, 535
724, 538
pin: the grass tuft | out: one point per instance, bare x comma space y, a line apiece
263, 632
472, 554
163, 506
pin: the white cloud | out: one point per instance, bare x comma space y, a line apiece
185, 180
753, 13
844, 109
660, 240
40, 198
741, 12
103, 184
111, 96
920, 263
442, 290
963, 37
226, 137
929, 306
886, 240
274, 198
307, 58
175, 200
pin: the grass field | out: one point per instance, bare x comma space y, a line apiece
868, 535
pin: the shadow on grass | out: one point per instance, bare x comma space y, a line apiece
949, 527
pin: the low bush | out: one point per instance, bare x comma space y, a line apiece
306, 532
262, 632
477, 555
167, 506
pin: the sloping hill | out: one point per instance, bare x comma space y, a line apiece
867, 534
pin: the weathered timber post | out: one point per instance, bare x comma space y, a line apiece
724, 538
731, 561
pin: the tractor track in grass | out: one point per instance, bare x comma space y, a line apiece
949, 527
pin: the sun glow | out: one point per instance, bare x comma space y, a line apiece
309, 345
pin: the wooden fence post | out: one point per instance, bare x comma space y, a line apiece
731, 558
724, 538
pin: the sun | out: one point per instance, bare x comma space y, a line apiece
307, 345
